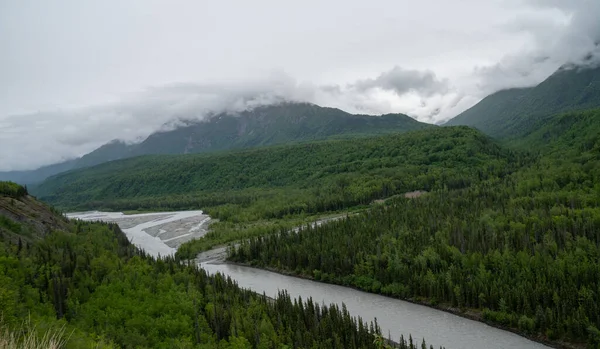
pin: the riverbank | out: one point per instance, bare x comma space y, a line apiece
471, 314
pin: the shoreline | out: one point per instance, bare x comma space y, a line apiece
469, 314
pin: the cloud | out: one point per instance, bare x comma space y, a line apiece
42, 138
560, 32
441, 64
70, 133
402, 81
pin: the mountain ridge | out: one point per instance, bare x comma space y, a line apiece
261, 126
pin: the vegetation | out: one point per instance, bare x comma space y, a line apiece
12, 189
89, 283
522, 250
335, 174
514, 113
222, 233
26, 337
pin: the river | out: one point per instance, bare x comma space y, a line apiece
394, 316
161, 233
158, 233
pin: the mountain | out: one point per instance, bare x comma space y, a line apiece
267, 125
36, 176
516, 112
573, 135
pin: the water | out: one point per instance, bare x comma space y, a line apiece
394, 316
179, 226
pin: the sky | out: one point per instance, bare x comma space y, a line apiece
76, 74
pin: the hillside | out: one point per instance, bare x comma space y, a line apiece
516, 112
84, 285
262, 126
520, 251
336, 173
29, 219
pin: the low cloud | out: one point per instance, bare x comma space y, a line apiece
402, 81
561, 33
67, 134
48, 137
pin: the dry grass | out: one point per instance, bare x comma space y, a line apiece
27, 337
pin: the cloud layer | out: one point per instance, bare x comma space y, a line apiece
402, 81
431, 63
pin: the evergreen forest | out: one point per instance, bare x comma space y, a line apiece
519, 250
87, 282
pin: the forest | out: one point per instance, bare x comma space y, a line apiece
278, 187
521, 250
87, 281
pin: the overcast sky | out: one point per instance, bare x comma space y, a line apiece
76, 74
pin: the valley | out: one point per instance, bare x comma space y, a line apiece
300, 175
419, 233
395, 317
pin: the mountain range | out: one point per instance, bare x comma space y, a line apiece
506, 114
262, 126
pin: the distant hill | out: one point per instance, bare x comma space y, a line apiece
268, 125
516, 112
36, 176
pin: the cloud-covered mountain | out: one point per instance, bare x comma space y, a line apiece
265, 125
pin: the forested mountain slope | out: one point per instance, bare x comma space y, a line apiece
492, 109
516, 112
108, 294
521, 251
284, 186
267, 125
327, 175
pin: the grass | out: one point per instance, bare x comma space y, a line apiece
27, 336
